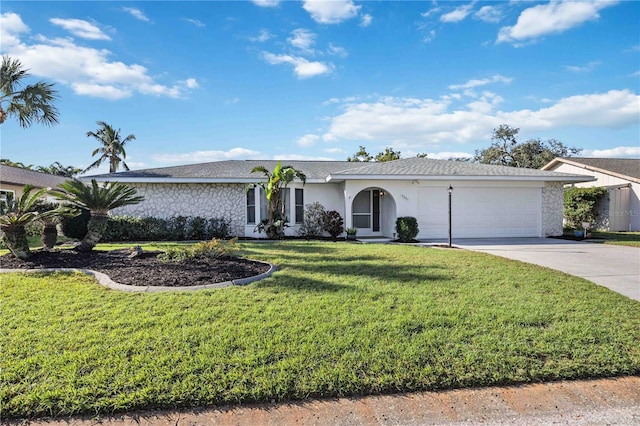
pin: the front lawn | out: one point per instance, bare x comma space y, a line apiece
618, 238
337, 319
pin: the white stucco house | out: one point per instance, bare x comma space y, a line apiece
620, 176
487, 201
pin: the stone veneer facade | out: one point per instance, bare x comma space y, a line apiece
168, 200
552, 209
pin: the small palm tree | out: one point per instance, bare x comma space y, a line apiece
16, 214
27, 103
98, 200
273, 187
111, 149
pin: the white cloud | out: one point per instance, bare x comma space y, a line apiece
303, 40
207, 156
302, 67
429, 37
190, 83
298, 157
136, 13
366, 20
551, 18
80, 28
262, 37
430, 12
86, 70
584, 68
458, 14
331, 12
481, 82
617, 152
334, 151
337, 51
266, 3
432, 122
196, 22
308, 140
490, 14
445, 155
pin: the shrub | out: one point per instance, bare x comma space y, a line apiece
76, 226
196, 228
130, 228
581, 205
178, 227
203, 250
407, 228
312, 225
333, 223
218, 228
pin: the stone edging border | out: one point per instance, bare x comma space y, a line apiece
105, 280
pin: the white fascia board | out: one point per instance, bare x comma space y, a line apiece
183, 180
567, 178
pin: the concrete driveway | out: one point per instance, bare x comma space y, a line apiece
614, 267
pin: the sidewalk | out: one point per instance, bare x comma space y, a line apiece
586, 402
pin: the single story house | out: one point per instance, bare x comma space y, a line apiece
620, 176
486, 200
13, 179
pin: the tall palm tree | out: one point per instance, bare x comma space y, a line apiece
98, 200
29, 103
273, 187
111, 149
16, 214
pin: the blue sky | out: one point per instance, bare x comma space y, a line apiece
211, 80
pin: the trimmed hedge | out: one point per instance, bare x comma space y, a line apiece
407, 228
128, 228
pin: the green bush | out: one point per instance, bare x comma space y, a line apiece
218, 228
581, 205
203, 250
333, 223
312, 225
76, 226
407, 228
129, 228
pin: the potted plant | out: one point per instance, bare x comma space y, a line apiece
351, 233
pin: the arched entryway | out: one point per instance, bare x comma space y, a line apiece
373, 213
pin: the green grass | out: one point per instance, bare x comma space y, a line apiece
619, 238
337, 319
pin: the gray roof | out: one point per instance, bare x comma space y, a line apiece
408, 168
623, 167
19, 176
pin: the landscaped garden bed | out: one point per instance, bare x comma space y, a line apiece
336, 319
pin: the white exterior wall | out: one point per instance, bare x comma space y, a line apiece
630, 211
180, 199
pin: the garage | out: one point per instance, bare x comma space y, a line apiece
480, 212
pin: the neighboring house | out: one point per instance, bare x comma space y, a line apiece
13, 179
487, 201
621, 177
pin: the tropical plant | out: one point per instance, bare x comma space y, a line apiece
34, 102
111, 149
15, 214
333, 223
274, 185
98, 199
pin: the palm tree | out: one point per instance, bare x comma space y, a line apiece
30, 103
273, 187
112, 148
16, 214
98, 200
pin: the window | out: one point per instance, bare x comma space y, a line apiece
251, 206
4, 193
299, 205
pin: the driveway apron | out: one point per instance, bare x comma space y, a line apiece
614, 267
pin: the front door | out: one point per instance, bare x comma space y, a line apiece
366, 212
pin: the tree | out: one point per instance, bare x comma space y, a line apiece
111, 149
507, 151
16, 214
387, 155
98, 200
361, 155
19, 165
30, 103
59, 170
274, 185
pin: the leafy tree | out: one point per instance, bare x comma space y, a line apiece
421, 155
59, 170
111, 149
19, 165
273, 187
16, 214
387, 155
581, 205
507, 151
361, 155
98, 200
30, 103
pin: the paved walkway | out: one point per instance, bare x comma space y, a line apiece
588, 402
614, 267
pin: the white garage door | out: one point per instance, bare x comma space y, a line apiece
480, 212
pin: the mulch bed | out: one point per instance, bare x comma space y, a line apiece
142, 270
